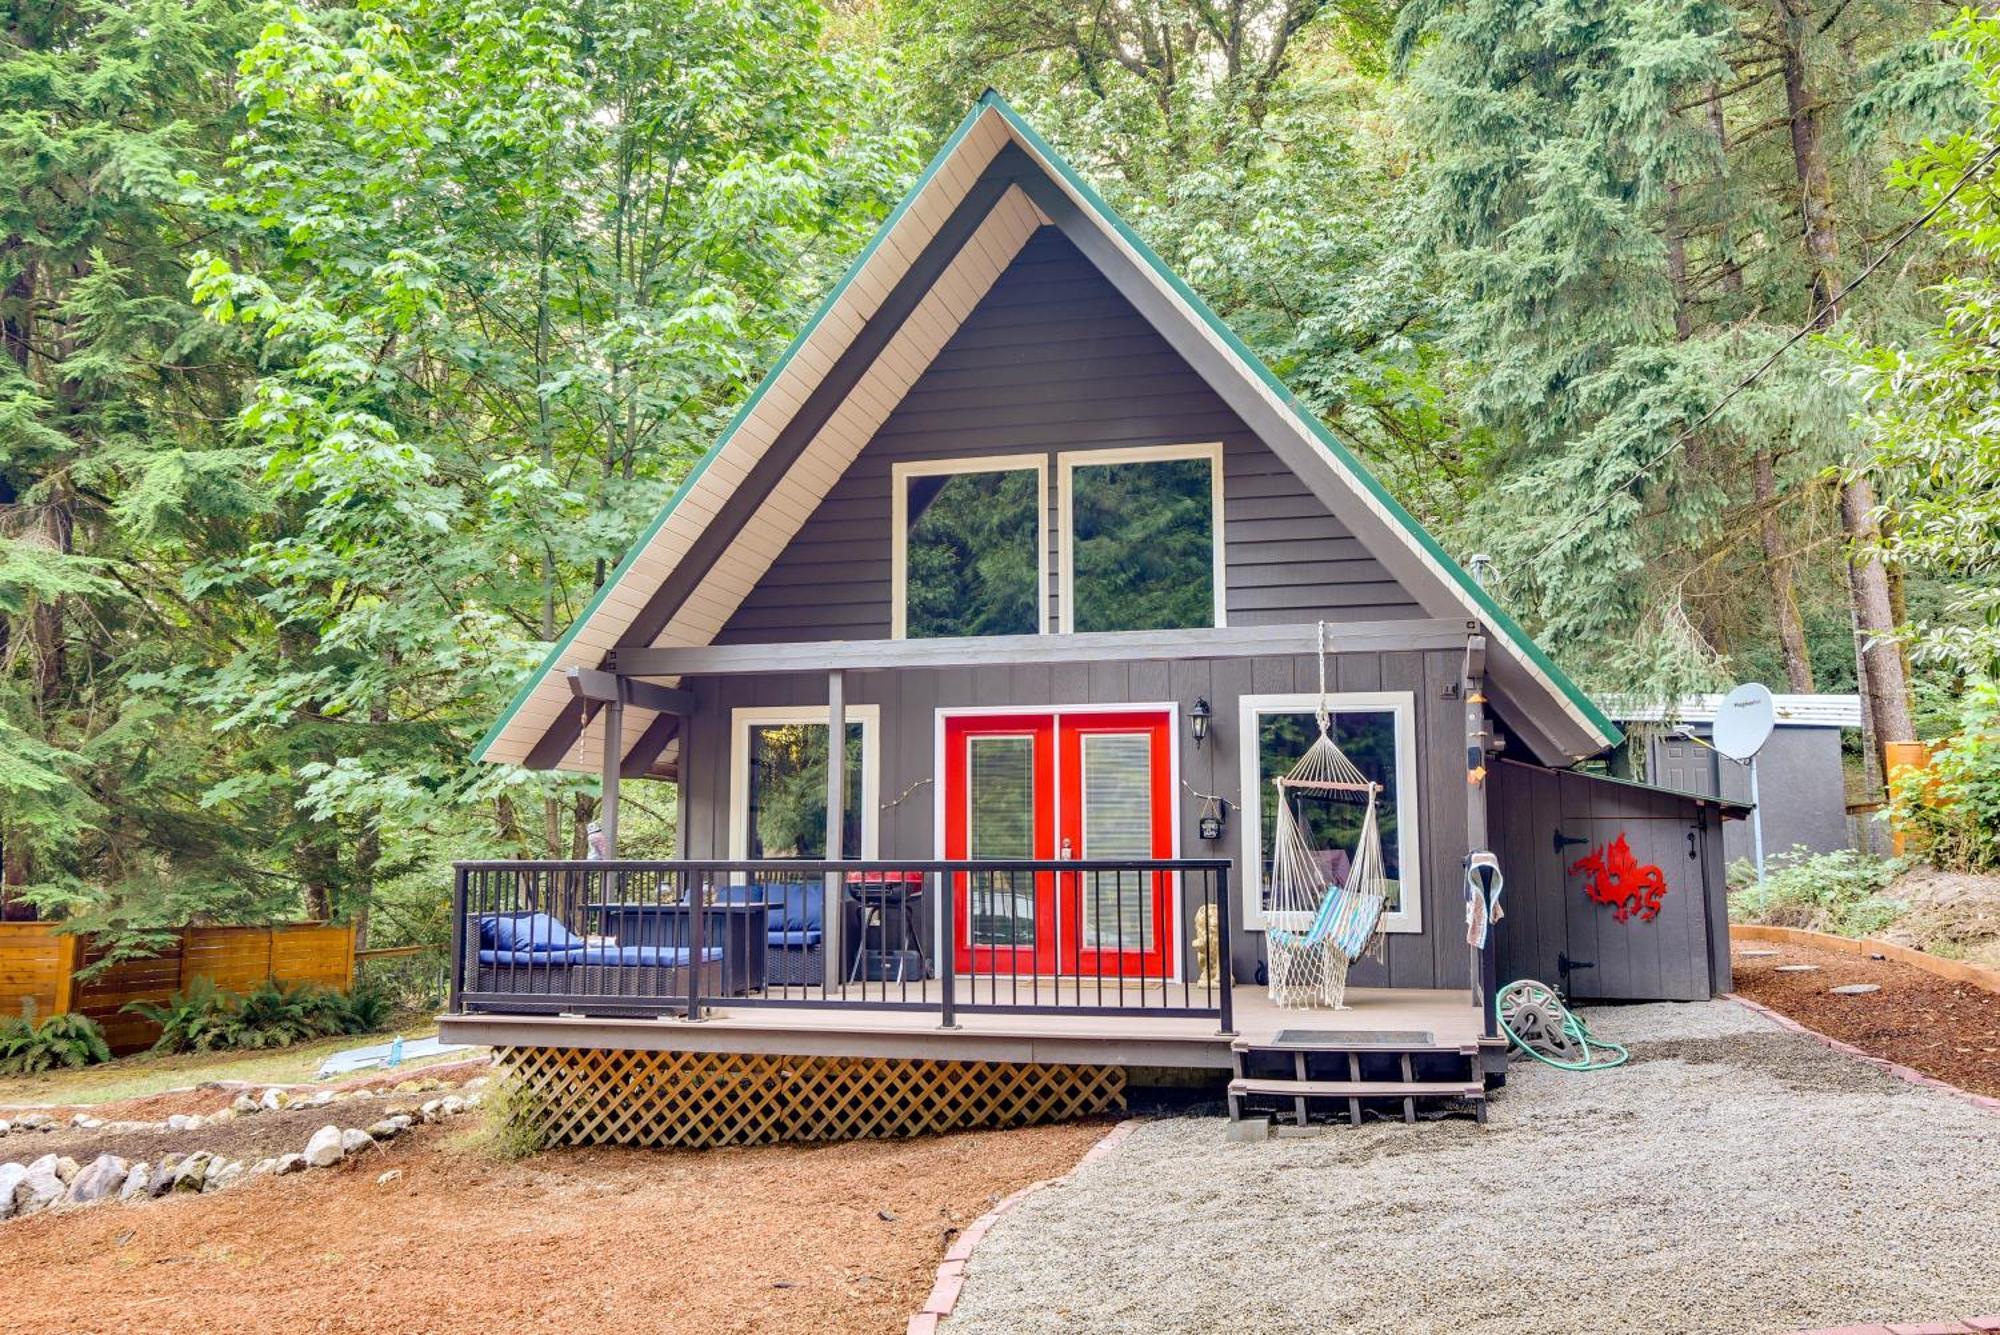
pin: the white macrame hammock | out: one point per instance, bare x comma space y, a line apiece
1314, 930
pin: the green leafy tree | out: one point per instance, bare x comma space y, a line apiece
1929, 402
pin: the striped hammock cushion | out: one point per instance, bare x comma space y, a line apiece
1351, 921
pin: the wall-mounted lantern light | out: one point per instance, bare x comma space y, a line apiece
1198, 719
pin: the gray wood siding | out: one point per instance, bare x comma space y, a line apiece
909, 699
1681, 955
1055, 359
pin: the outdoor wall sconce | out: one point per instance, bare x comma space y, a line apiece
1198, 722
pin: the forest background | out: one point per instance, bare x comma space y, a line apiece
346, 346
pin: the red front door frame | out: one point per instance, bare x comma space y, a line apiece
1057, 912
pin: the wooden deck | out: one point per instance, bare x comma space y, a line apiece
1447, 1017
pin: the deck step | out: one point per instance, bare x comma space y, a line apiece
1421, 1049
1364, 1089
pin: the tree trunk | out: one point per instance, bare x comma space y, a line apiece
1877, 655
1878, 652
1778, 574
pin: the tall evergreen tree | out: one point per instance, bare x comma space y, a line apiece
1631, 223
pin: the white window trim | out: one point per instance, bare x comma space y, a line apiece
740, 722
1403, 706
899, 524
1070, 460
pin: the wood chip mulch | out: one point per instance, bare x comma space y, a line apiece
836, 1238
1948, 1031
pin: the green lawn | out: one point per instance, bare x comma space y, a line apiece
131, 1077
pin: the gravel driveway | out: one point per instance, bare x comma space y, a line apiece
1734, 1177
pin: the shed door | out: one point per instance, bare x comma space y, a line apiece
1646, 934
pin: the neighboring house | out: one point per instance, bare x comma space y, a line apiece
1021, 521
1801, 777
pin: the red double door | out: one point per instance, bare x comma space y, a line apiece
1062, 786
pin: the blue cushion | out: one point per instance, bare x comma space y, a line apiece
643, 957
795, 905
793, 938
531, 958
655, 957
527, 931
803, 904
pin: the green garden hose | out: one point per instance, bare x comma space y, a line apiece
1535, 1020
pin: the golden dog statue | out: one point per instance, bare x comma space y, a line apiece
1208, 956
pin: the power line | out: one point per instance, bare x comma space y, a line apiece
1832, 303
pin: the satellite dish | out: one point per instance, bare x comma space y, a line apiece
1744, 722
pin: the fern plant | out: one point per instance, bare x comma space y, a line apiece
190, 1021
69, 1039
271, 1015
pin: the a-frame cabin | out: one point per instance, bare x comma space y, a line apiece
1070, 572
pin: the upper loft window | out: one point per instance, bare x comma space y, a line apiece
971, 547
1142, 538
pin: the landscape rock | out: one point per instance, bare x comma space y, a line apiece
183, 1122
453, 1105
33, 1121
86, 1122
66, 1169
387, 1129
264, 1166
102, 1179
432, 1110
354, 1141
138, 1183
274, 1099
324, 1149
193, 1172
243, 1103
40, 1188
11, 1177
226, 1176
288, 1163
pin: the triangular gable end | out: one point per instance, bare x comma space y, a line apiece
992, 186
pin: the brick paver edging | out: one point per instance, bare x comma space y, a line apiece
951, 1271
1897, 1069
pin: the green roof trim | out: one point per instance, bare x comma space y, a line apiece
561, 646
1609, 731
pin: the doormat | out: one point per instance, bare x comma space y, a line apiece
1356, 1038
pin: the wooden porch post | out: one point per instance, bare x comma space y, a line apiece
833, 917
614, 756
1478, 737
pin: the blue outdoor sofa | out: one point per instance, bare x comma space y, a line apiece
535, 954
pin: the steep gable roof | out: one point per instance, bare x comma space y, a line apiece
991, 186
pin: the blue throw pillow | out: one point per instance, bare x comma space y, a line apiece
534, 931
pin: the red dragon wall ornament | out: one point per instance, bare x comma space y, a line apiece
1619, 879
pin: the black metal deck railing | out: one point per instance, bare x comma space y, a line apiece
631, 938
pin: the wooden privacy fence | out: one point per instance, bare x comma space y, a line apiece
38, 962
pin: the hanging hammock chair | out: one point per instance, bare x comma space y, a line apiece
1314, 928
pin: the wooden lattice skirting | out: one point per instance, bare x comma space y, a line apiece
599, 1096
